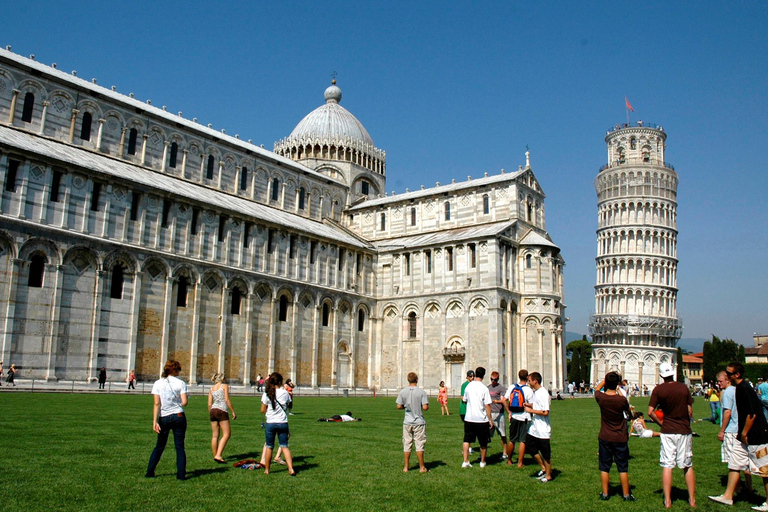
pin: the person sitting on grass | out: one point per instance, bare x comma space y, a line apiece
639, 429
339, 418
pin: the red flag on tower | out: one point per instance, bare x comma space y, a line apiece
629, 105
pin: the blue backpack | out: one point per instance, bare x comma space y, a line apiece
516, 399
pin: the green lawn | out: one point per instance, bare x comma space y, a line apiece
89, 452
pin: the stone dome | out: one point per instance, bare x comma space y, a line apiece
331, 122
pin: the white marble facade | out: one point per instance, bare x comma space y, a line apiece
130, 235
636, 327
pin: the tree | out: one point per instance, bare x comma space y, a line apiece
717, 354
579, 353
680, 374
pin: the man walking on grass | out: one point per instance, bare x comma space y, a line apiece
753, 427
733, 452
477, 422
540, 431
676, 438
414, 400
498, 416
613, 440
518, 418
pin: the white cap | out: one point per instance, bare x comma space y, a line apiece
666, 370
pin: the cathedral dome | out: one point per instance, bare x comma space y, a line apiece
331, 122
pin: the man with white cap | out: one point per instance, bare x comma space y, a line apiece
676, 402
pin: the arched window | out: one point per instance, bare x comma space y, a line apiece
174, 155
486, 204
412, 324
632, 143
360, 320
528, 261
132, 136
85, 128
302, 198
118, 278
383, 221
236, 300
209, 168
447, 210
283, 309
275, 189
326, 314
181, 296
244, 178
413, 216
364, 187
29, 107
36, 271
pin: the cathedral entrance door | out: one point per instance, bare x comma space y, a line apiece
457, 379
342, 379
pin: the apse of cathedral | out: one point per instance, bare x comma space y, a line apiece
130, 235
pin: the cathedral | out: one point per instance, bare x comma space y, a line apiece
130, 235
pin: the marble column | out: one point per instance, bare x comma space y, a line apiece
72, 120
14, 101
46, 104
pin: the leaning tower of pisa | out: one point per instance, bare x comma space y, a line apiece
635, 327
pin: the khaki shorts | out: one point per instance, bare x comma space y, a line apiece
758, 459
676, 450
734, 453
414, 435
500, 421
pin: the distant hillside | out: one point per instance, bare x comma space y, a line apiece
570, 336
693, 345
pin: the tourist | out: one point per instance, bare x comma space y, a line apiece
613, 441
132, 379
10, 379
170, 398
102, 378
259, 383
219, 407
713, 396
762, 392
414, 400
639, 428
518, 418
498, 416
537, 441
462, 403
733, 452
571, 389
753, 427
477, 422
289, 388
442, 398
674, 399
1, 373
274, 403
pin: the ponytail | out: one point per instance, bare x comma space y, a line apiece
274, 381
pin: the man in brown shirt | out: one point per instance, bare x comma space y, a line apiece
676, 402
613, 438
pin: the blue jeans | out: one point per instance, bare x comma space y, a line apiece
177, 424
714, 406
276, 429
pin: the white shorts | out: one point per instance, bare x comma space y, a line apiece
676, 450
646, 433
758, 459
500, 422
734, 453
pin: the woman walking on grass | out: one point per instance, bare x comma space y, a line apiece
274, 403
442, 398
218, 410
170, 398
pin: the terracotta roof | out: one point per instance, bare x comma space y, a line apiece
692, 359
752, 351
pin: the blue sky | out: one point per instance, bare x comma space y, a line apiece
458, 89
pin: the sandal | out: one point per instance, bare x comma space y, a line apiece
279, 461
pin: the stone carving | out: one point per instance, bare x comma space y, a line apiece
36, 172
78, 181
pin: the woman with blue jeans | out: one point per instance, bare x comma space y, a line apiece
274, 403
170, 398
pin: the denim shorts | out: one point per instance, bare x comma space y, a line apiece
277, 429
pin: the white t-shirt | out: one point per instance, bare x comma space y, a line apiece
477, 397
540, 425
527, 397
170, 390
278, 415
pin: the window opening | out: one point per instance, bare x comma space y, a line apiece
95, 196
413, 216
36, 271
283, 309
118, 278
236, 300
174, 155
326, 314
29, 107
132, 136
222, 227
449, 258
85, 127
209, 168
10, 179
181, 292
360, 320
412, 325
244, 178
447, 210
275, 189
55, 186
166, 211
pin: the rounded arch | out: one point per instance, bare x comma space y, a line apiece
40, 245
82, 250
88, 105
154, 266
33, 86
186, 270
7, 244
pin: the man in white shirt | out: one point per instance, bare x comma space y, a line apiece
477, 422
518, 418
537, 440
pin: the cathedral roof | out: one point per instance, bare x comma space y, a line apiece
331, 122
445, 236
534, 238
135, 174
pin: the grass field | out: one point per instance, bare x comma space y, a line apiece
89, 452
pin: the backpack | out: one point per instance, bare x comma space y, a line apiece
516, 399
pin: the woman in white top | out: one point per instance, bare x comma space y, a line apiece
170, 395
218, 411
274, 403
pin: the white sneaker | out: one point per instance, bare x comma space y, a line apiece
543, 479
763, 507
482, 464
721, 499
504, 456
470, 449
466, 465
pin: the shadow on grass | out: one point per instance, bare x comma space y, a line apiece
241, 456
434, 464
677, 494
301, 464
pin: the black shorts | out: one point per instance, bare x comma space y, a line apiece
534, 445
518, 430
613, 452
479, 431
218, 415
